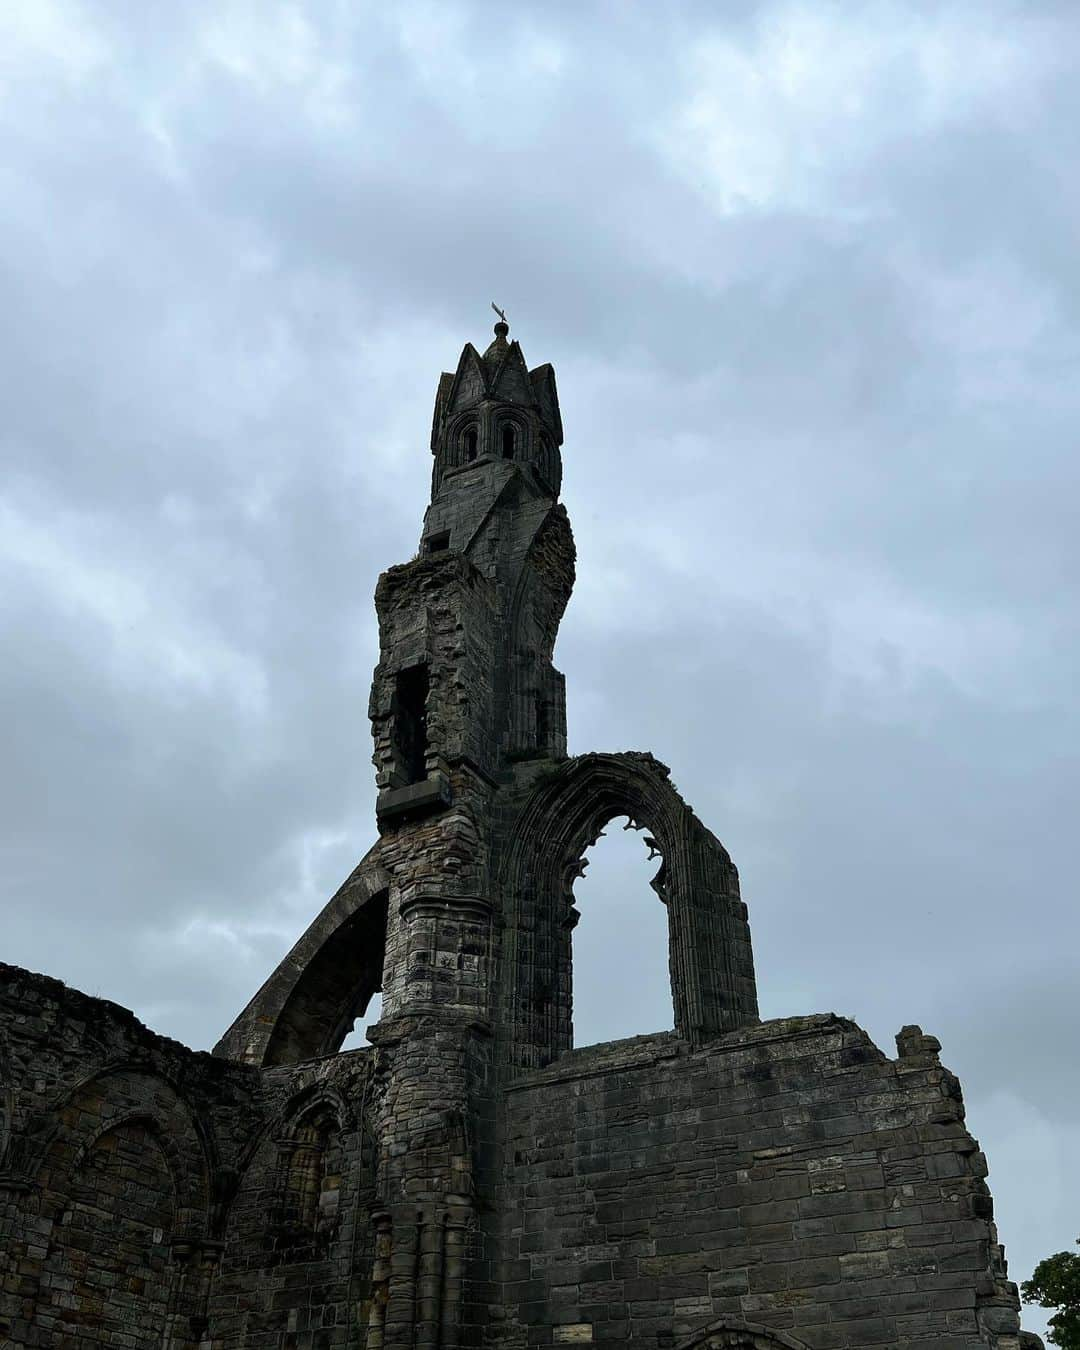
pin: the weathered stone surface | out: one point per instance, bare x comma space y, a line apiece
471, 1179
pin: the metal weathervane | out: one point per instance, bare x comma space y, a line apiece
499, 312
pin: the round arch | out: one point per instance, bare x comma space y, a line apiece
731, 1333
510, 437
308, 1005
464, 439
711, 961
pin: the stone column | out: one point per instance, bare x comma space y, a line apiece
431, 1074
193, 1262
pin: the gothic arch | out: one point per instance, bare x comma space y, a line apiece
308, 1005
712, 971
297, 1213
279, 1129
311, 1135
120, 1095
317, 1097
116, 1212
730, 1333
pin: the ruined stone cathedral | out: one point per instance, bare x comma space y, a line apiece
470, 1179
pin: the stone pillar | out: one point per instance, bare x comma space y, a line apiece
458, 1222
193, 1262
430, 1080
447, 952
382, 1223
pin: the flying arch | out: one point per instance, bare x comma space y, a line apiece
308, 1005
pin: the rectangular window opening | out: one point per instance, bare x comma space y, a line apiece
436, 543
410, 722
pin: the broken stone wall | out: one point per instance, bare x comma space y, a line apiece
788, 1175
155, 1196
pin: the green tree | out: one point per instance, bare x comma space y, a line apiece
1055, 1283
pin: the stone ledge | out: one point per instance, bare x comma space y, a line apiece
417, 799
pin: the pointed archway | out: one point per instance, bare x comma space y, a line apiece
712, 969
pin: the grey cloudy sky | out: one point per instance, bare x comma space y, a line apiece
808, 275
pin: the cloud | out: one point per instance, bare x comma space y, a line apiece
808, 277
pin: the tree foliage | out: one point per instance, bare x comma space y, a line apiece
1055, 1283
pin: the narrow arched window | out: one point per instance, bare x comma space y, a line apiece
305, 1175
313, 1179
469, 441
509, 440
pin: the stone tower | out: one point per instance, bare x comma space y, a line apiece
468, 912
471, 1179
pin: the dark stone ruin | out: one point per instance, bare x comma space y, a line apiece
470, 1179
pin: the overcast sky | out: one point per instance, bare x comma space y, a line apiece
808, 276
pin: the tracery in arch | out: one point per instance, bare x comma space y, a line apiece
712, 976
621, 977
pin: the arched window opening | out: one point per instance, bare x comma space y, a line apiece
470, 441
312, 1180
508, 440
621, 974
